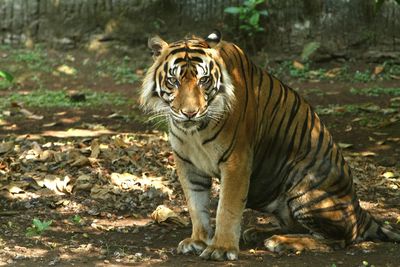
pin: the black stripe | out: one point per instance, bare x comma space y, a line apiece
175, 135
228, 152
203, 184
182, 158
197, 59
212, 138
244, 78
187, 50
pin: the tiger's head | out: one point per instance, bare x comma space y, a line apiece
188, 81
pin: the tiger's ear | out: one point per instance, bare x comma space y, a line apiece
156, 44
213, 38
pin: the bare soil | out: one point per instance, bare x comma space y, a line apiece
108, 235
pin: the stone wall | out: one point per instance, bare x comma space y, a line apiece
337, 24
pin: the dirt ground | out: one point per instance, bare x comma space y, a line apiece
100, 203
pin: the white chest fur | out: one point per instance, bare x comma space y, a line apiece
190, 146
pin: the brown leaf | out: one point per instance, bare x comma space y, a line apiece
378, 69
332, 73
164, 214
344, 145
57, 184
30, 115
83, 182
124, 181
6, 147
16, 187
77, 159
95, 148
298, 65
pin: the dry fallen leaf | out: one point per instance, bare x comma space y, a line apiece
344, 145
75, 158
332, 73
378, 69
6, 147
388, 174
83, 182
298, 65
16, 187
57, 184
95, 148
103, 192
164, 214
30, 115
124, 181
66, 70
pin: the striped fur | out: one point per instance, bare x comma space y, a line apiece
230, 119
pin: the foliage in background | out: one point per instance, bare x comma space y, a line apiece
121, 72
379, 3
6, 76
6, 79
308, 50
249, 16
50, 98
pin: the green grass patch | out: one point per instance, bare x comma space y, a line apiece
349, 108
363, 76
48, 98
35, 59
376, 91
122, 72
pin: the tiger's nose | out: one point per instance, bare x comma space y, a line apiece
189, 113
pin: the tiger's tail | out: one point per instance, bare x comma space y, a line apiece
378, 231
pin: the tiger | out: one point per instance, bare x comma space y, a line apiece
231, 120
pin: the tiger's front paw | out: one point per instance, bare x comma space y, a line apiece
190, 245
220, 253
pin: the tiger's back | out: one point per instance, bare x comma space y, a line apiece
264, 142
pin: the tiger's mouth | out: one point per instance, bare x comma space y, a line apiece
191, 122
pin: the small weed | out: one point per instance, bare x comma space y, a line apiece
76, 219
6, 80
364, 77
38, 227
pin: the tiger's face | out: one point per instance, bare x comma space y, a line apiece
187, 83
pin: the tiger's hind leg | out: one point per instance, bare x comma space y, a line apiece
300, 242
256, 234
331, 220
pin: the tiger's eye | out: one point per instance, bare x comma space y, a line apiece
204, 79
173, 80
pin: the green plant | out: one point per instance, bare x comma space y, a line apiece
6, 79
6, 76
76, 219
308, 50
249, 16
38, 227
364, 77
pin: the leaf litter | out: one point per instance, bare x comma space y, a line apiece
128, 174
126, 171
